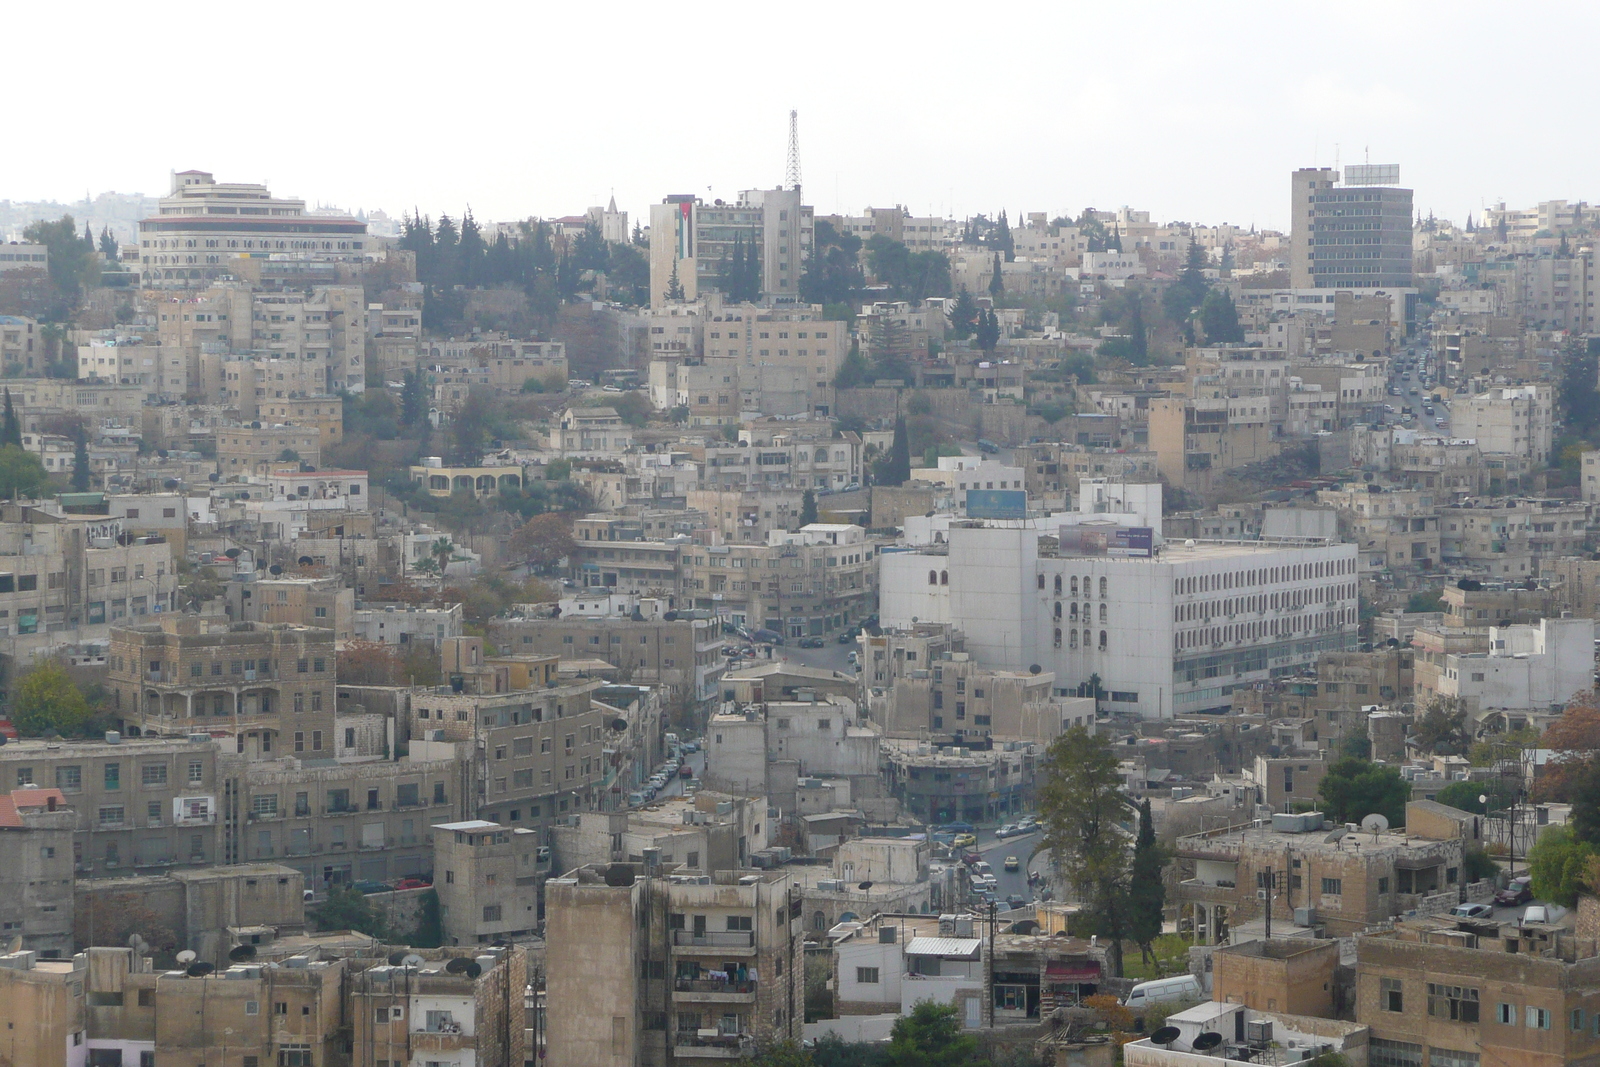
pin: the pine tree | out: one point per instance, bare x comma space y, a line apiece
1146, 890
80, 462
108, 244
997, 285
1115, 244
1002, 240
674, 286
808, 508
964, 316
10, 428
88, 237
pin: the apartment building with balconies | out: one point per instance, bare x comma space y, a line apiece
267, 686
460, 1011
649, 966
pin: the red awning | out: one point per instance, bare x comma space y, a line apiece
1073, 971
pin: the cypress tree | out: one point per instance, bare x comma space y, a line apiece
997, 284
808, 508
900, 454
1147, 892
10, 428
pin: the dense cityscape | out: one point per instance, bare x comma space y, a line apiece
732, 631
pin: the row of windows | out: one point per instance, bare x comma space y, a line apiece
1074, 585
69, 779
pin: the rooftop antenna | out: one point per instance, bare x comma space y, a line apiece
791, 172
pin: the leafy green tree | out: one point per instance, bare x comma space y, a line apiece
1093, 230
414, 399
1559, 864
1081, 366
781, 1054
1443, 728
808, 508
108, 245
854, 370
1146, 886
1185, 294
988, 334
1356, 746
21, 473
72, 265
80, 461
931, 1036
47, 702
1353, 789
1081, 807
1219, 319
1427, 600
1464, 795
1478, 864
832, 268
349, 909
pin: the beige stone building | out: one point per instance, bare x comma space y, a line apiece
36, 835
268, 687
488, 878
248, 450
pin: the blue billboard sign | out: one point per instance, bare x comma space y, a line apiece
997, 504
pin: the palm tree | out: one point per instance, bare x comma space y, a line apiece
443, 549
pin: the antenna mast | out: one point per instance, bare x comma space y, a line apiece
791, 173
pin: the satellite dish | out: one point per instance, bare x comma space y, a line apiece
305, 561
411, 960
1166, 1035
473, 969
1206, 1041
397, 959
199, 970
1034, 668
619, 875
618, 725
458, 965
274, 569
864, 885
233, 553
1375, 823
241, 953
187, 956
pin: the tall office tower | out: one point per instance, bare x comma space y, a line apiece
1354, 234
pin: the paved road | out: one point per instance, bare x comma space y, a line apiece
995, 852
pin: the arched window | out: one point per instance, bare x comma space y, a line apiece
1073, 612
1041, 581
819, 921
1074, 585
1058, 637
1058, 586
944, 577
933, 577
1058, 609
1102, 613
1088, 638
1074, 639
1102, 588
1102, 640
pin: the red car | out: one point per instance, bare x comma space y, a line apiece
412, 883
1520, 891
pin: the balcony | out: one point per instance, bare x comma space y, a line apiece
714, 939
708, 1044
713, 991
1195, 891
441, 1040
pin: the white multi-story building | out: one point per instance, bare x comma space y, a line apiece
1172, 633
692, 240
1527, 669
1515, 420
205, 227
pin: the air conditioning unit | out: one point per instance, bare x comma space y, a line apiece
1261, 894
1258, 1034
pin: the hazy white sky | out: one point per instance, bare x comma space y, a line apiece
1193, 111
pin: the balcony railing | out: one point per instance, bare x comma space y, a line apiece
722, 1046
713, 985
714, 939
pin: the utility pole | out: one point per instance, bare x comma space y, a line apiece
993, 910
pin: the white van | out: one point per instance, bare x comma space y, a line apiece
1178, 987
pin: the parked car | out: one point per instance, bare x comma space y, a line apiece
412, 883
847, 637
1184, 987
1016, 900
1472, 911
686, 771
811, 642
1008, 830
370, 887
972, 858
1012, 863
966, 841
1536, 913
